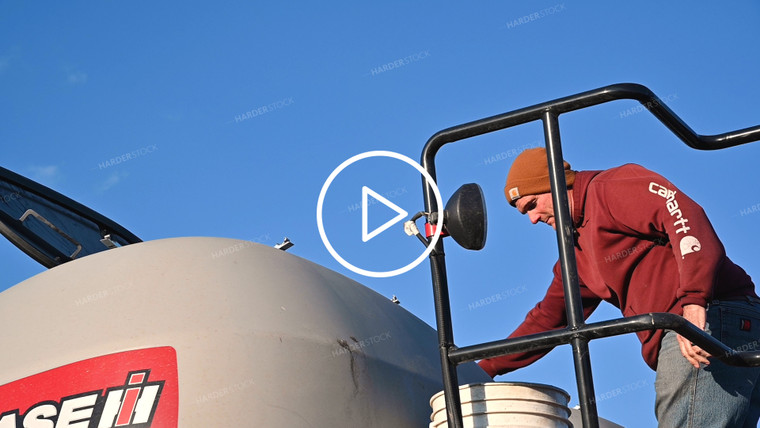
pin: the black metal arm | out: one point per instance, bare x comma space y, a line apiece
607, 329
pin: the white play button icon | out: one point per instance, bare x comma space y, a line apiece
366, 235
366, 191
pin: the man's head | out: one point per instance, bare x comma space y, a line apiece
528, 187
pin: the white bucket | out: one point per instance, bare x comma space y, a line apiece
501, 404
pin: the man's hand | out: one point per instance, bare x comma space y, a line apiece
696, 315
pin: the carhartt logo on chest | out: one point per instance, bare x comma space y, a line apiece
688, 244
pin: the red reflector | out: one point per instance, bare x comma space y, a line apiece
430, 230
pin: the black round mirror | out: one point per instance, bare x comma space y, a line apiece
465, 217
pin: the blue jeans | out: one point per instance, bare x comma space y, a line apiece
716, 395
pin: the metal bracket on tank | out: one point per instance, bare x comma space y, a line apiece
106, 240
284, 245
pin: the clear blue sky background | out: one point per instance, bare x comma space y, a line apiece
85, 82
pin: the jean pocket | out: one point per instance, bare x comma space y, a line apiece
739, 325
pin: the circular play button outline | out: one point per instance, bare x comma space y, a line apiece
428, 179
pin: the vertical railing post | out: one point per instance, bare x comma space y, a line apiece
566, 243
445, 336
442, 312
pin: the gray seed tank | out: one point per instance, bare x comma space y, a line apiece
197, 332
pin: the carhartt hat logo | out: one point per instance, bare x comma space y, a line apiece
514, 194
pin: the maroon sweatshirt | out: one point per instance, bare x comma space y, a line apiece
642, 245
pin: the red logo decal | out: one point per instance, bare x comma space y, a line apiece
128, 389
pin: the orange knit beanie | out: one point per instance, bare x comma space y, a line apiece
529, 175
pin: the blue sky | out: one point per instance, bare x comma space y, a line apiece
83, 83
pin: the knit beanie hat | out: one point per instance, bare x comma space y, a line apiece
529, 175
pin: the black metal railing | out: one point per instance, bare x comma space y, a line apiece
577, 333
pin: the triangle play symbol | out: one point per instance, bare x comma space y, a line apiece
401, 214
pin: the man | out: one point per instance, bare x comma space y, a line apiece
644, 246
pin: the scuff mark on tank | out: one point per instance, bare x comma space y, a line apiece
354, 375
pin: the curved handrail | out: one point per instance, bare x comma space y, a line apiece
570, 103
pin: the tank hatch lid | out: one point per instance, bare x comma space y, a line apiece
51, 228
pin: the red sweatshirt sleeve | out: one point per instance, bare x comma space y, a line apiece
654, 206
549, 314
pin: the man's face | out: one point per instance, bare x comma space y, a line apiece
538, 208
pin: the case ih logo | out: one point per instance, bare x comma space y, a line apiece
131, 405
137, 402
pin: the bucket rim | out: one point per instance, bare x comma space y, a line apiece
511, 383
